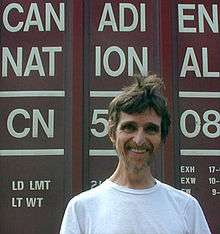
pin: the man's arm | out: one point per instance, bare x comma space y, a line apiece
70, 224
195, 218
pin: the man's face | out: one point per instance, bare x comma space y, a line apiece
136, 139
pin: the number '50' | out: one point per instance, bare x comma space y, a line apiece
211, 119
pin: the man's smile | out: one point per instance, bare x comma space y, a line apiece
139, 149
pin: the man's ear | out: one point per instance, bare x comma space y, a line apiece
111, 131
112, 138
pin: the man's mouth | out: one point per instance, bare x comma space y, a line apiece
139, 151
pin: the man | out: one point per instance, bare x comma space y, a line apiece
132, 201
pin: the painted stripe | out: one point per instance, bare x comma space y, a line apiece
104, 93
32, 152
187, 152
199, 152
98, 152
48, 93
181, 94
199, 94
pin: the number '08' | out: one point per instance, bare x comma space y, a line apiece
211, 119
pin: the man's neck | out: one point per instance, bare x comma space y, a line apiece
140, 180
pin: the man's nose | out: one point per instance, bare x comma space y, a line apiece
139, 137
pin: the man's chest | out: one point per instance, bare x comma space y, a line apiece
133, 219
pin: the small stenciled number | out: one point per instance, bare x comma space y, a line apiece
214, 192
212, 180
211, 169
94, 183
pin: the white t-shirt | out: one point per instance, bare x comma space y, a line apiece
113, 209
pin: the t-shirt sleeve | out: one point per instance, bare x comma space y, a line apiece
70, 223
195, 218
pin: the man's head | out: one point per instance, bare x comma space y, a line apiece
144, 94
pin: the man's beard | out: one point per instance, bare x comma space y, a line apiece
137, 165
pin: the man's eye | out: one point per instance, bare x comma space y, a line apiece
128, 127
152, 129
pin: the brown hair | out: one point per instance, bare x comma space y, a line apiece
145, 93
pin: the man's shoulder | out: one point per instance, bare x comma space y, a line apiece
181, 200
175, 193
89, 195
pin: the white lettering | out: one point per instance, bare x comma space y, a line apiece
60, 21
132, 56
108, 18
117, 51
6, 23
203, 15
186, 190
190, 56
187, 169
134, 12
52, 51
120, 53
10, 120
143, 17
7, 57
34, 18
95, 183
206, 72
34, 62
187, 180
197, 123
34, 201
107, 12
16, 202
208, 125
17, 185
34, 55
33, 11
182, 17
37, 118
98, 60
39, 184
